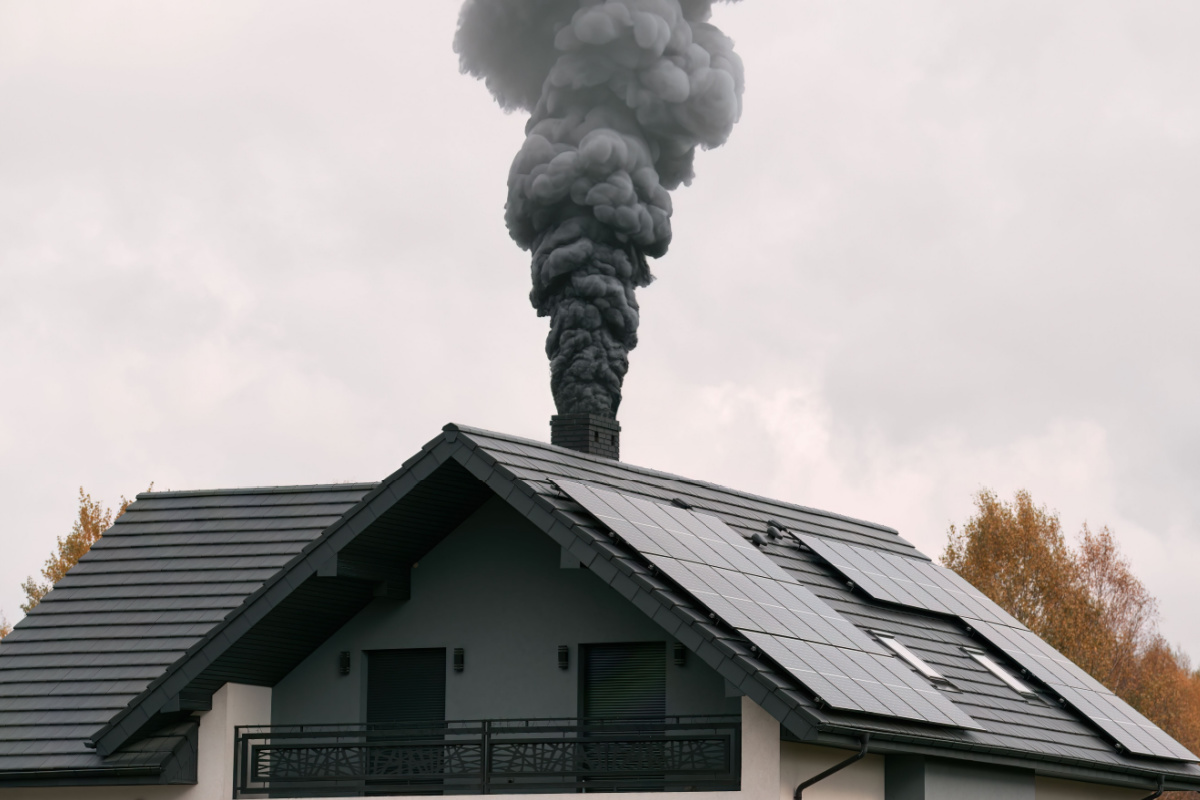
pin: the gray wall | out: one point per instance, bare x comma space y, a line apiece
918, 778
495, 588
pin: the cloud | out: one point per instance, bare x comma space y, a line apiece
950, 246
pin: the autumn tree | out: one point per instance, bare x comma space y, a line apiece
5, 628
1016, 554
92, 521
1128, 612
1085, 601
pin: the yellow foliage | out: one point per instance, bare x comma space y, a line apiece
92, 521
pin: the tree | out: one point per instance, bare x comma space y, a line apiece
5, 628
92, 521
1016, 554
1084, 601
1129, 613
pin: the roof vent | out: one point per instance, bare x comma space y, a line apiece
587, 433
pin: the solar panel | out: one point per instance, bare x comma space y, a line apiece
905, 581
1082, 692
916, 583
841, 665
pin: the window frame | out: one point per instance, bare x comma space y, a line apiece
1011, 681
901, 651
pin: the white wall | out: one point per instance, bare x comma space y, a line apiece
862, 780
233, 704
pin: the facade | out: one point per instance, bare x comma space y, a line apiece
506, 616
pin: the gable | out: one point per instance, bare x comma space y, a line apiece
496, 588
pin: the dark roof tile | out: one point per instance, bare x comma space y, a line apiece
170, 568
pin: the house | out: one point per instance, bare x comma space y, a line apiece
506, 616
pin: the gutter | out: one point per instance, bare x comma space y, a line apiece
866, 739
83, 776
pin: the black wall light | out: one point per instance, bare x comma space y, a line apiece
459, 659
564, 656
679, 654
344, 662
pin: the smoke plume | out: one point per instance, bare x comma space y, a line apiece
620, 94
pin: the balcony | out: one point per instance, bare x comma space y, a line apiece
507, 756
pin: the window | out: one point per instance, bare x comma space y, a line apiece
1000, 672
406, 685
912, 659
624, 680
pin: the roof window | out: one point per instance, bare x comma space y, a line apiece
911, 658
1014, 683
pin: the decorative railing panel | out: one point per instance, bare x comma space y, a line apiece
489, 757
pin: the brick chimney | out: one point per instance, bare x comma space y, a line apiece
587, 433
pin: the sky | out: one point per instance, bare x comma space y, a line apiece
949, 246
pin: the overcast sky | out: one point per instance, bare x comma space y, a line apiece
950, 245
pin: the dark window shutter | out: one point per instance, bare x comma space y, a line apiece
406, 685
624, 680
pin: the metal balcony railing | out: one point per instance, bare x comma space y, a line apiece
489, 757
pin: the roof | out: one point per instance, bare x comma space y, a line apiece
172, 567
446, 481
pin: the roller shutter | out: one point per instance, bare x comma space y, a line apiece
406, 685
624, 680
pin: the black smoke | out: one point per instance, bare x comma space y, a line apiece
620, 94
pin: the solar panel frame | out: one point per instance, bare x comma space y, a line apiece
839, 663
901, 580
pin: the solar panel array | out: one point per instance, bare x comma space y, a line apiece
841, 665
915, 583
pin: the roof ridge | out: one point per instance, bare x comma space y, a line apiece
468, 430
294, 489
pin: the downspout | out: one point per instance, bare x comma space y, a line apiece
799, 794
1162, 781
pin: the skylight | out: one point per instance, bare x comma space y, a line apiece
1000, 672
911, 658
